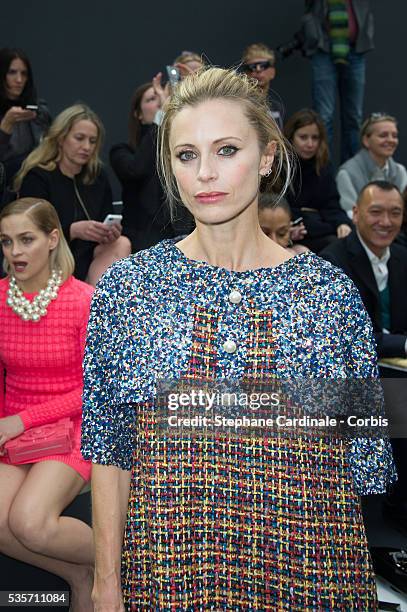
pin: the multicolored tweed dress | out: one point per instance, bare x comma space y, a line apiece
231, 522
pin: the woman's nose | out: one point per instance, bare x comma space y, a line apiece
207, 170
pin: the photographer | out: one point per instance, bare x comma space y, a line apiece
336, 34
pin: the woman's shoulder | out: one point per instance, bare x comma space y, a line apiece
3, 285
317, 278
80, 288
75, 297
42, 174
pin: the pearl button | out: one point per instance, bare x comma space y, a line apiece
235, 297
229, 346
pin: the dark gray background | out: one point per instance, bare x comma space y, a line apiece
98, 52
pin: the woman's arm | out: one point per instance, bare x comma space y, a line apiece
347, 191
110, 493
332, 212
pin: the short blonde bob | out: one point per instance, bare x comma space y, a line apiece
47, 154
45, 218
215, 84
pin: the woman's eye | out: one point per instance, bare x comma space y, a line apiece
186, 155
27, 240
227, 150
5, 242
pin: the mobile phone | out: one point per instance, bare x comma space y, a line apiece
31, 107
173, 75
297, 221
112, 219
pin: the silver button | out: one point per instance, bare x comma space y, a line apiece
229, 346
235, 297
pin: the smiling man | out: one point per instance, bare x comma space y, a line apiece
376, 265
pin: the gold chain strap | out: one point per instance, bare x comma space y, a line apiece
78, 195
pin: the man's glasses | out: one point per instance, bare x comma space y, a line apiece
257, 66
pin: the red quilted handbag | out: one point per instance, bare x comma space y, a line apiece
52, 439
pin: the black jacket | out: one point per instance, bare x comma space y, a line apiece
314, 31
317, 191
146, 217
59, 190
349, 254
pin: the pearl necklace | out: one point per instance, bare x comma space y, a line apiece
33, 311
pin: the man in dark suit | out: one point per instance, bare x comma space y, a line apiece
378, 267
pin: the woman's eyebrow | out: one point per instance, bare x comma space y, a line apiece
187, 144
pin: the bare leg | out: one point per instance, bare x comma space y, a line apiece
105, 255
13, 481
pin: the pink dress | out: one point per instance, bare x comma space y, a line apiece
42, 364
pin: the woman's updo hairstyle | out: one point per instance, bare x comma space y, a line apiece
214, 84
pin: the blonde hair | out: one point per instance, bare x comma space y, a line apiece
188, 56
47, 154
45, 218
366, 128
257, 50
215, 84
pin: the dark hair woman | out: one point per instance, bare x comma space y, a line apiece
21, 128
313, 194
146, 218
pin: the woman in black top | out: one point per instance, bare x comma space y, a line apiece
20, 128
65, 169
146, 218
313, 194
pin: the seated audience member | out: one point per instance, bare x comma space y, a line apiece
258, 62
20, 127
146, 218
146, 215
275, 221
44, 313
313, 194
65, 169
377, 266
374, 161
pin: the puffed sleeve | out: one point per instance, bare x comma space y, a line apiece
107, 424
370, 459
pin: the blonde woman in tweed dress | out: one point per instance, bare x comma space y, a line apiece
225, 522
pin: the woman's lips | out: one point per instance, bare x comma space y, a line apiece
19, 266
210, 196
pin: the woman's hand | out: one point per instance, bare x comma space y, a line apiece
162, 92
343, 230
14, 115
10, 427
95, 231
115, 231
298, 232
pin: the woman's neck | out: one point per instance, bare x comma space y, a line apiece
35, 284
237, 245
68, 168
378, 159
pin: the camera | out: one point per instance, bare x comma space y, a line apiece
295, 44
